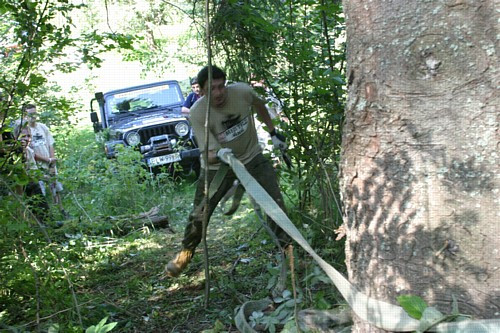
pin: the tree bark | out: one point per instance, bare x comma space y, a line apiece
419, 169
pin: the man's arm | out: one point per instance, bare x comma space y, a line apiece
48, 160
279, 141
212, 157
263, 114
198, 124
188, 103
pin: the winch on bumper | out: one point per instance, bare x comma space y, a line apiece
164, 149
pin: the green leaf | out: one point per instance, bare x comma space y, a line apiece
17, 227
289, 327
278, 299
430, 317
108, 327
413, 305
91, 329
338, 80
291, 303
54, 328
287, 294
321, 303
219, 326
31, 4
101, 324
102, 327
36, 80
257, 314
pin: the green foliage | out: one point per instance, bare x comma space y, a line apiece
36, 263
277, 318
296, 48
218, 328
317, 276
152, 22
113, 276
429, 316
38, 40
102, 327
413, 305
125, 186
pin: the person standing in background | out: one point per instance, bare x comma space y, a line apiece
33, 191
42, 143
192, 97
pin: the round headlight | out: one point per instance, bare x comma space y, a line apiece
182, 129
133, 138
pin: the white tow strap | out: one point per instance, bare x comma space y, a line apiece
381, 314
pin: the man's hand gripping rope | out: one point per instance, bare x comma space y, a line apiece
279, 142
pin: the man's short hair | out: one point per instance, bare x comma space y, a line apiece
194, 81
28, 106
217, 73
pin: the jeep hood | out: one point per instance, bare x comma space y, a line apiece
124, 123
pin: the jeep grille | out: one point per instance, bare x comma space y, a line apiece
146, 133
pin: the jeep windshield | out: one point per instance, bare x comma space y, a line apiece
134, 102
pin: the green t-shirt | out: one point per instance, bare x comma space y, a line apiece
230, 126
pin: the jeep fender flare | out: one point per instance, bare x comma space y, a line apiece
109, 147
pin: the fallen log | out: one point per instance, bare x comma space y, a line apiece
124, 224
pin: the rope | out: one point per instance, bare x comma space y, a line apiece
381, 314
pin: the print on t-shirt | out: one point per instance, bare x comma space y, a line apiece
235, 128
37, 140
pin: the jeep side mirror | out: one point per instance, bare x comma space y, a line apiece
93, 117
99, 96
95, 122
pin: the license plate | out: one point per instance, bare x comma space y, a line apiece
160, 160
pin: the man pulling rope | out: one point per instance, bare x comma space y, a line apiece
231, 128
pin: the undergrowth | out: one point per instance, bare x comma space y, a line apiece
71, 278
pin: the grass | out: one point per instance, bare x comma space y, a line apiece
121, 277
127, 282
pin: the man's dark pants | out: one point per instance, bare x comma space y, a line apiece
261, 169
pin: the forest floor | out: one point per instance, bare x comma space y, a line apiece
122, 277
132, 282
128, 283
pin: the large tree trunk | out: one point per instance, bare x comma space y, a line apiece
420, 166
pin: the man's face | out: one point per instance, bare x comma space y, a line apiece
196, 88
32, 115
219, 92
